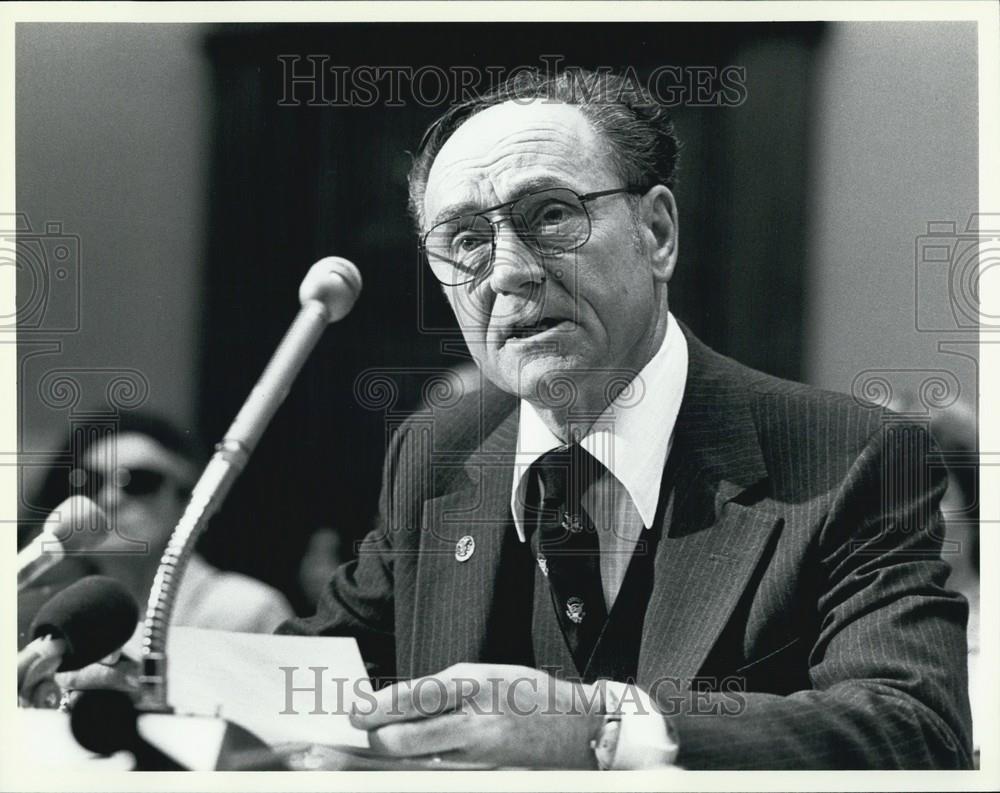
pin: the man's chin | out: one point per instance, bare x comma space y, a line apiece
546, 380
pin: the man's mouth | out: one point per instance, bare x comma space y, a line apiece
522, 332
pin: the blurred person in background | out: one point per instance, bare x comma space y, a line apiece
142, 476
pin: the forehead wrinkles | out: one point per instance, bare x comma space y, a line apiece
482, 163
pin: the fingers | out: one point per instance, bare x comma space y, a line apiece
36, 659
36, 687
422, 698
46, 695
123, 676
437, 735
464, 686
504, 715
43, 668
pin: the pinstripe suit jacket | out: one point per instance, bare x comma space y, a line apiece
797, 619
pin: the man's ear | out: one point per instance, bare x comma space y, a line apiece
658, 212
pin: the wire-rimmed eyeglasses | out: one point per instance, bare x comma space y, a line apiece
551, 222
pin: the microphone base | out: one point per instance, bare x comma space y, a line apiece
153, 684
153, 706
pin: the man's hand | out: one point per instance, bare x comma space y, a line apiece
503, 715
116, 671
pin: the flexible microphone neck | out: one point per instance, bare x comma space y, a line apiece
327, 294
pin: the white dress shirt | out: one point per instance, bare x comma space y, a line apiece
631, 439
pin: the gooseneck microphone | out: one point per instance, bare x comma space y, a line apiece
327, 295
76, 525
79, 626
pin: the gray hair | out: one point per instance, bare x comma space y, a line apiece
637, 129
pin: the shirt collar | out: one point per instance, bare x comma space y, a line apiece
631, 438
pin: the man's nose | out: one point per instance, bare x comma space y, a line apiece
516, 267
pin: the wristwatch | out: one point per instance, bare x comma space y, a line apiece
604, 744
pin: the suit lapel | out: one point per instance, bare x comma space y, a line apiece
710, 542
454, 597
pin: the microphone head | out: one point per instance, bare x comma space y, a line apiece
334, 282
105, 722
95, 616
77, 524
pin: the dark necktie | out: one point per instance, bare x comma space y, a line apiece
566, 544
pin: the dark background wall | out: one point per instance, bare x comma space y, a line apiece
338, 184
200, 201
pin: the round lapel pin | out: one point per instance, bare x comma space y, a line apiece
464, 548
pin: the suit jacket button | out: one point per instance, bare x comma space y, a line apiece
464, 548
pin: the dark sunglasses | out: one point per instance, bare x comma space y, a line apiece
131, 481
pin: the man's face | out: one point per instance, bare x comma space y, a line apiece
137, 482
580, 313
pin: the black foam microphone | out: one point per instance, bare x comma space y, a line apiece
79, 626
105, 722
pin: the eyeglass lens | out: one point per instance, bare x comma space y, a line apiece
550, 222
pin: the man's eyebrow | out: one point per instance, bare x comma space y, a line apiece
530, 185
454, 210
535, 183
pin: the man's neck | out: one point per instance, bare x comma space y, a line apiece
592, 396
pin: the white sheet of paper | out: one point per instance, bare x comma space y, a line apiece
249, 679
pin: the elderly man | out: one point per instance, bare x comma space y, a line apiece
620, 505
623, 550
